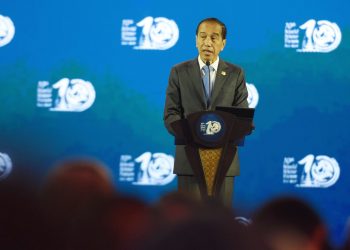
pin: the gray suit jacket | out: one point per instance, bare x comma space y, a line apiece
185, 95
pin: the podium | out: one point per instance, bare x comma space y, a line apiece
211, 139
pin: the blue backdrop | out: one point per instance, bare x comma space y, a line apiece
88, 78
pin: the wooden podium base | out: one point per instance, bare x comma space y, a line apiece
210, 161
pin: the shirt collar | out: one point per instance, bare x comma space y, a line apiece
214, 65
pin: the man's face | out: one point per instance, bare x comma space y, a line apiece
209, 41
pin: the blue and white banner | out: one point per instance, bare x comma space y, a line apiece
89, 78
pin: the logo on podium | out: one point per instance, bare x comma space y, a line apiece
210, 127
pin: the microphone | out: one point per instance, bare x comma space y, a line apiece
208, 64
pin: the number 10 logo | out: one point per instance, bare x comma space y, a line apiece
73, 95
319, 171
321, 36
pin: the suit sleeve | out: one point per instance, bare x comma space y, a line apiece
241, 92
173, 107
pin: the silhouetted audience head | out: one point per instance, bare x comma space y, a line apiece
347, 240
289, 223
127, 223
199, 225
73, 197
78, 208
20, 218
347, 244
84, 177
175, 207
199, 233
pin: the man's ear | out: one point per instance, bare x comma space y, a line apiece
223, 44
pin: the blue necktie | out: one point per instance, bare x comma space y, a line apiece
206, 82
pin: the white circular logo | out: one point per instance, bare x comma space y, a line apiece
5, 166
160, 169
326, 36
73, 95
7, 30
253, 95
164, 33
325, 171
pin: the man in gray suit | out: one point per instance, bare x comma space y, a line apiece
187, 93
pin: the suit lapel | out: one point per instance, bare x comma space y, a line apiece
221, 76
196, 78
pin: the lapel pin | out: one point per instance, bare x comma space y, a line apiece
223, 73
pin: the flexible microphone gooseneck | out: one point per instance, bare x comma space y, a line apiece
208, 64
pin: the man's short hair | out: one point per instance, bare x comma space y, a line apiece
215, 20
